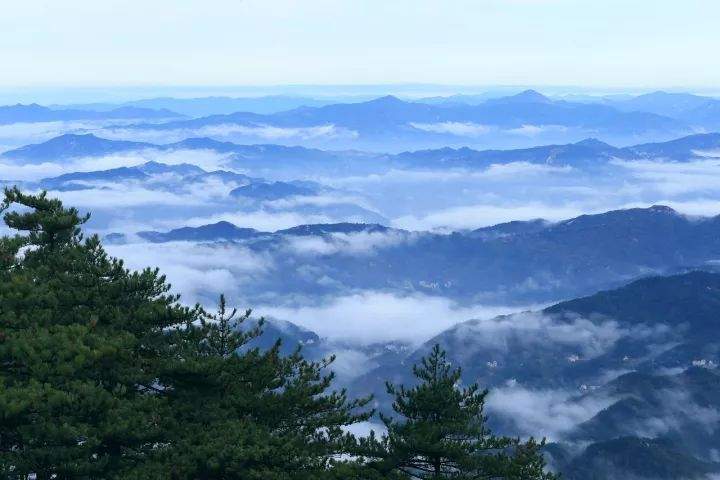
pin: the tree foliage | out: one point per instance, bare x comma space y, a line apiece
439, 430
103, 374
80, 341
255, 414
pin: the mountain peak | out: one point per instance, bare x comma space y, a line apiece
325, 228
153, 167
221, 230
594, 143
386, 100
28, 106
203, 143
72, 136
200, 141
530, 93
662, 209
526, 96
73, 145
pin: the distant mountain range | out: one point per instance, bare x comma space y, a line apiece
477, 120
224, 191
73, 146
189, 174
695, 110
586, 153
692, 109
519, 262
682, 106
215, 232
219, 105
379, 114
34, 113
257, 157
391, 121
223, 231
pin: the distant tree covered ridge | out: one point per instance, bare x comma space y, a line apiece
105, 375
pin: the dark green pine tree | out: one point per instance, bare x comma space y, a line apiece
242, 413
527, 462
104, 375
81, 340
440, 431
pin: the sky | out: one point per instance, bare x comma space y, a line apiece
633, 43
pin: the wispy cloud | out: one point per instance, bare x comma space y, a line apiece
473, 130
18, 134
535, 130
362, 243
462, 129
550, 413
231, 131
199, 272
588, 338
476, 216
676, 178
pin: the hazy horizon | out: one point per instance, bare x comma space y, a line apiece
123, 93
486, 42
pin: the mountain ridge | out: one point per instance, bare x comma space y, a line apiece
586, 152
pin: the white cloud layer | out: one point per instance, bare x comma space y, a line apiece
231, 131
361, 243
473, 130
543, 413
199, 272
476, 216
373, 316
461, 129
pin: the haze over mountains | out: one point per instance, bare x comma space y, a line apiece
204, 106
393, 124
562, 249
35, 113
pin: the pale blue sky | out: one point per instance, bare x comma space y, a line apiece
647, 43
